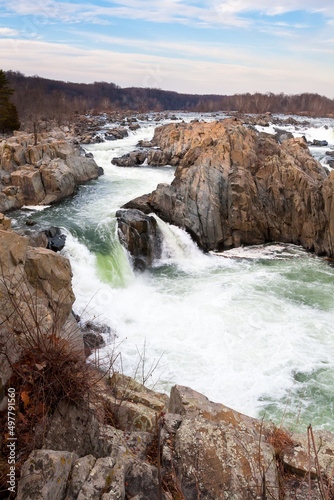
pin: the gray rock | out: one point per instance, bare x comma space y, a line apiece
44, 475
100, 480
79, 475
140, 235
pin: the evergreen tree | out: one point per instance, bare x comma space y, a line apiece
9, 119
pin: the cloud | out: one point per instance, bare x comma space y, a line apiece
61, 61
8, 32
207, 13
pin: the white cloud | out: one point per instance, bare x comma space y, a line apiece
72, 64
8, 32
208, 13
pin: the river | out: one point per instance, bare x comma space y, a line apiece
254, 333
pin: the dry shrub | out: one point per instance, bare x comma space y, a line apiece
280, 441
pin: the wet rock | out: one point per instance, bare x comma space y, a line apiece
44, 475
140, 203
130, 160
319, 143
140, 235
235, 187
100, 171
144, 144
56, 240
282, 135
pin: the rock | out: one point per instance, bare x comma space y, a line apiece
56, 240
140, 235
100, 171
74, 429
79, 475
330, 153
130, 159
319, 143
44, 475
99, 480
297, 458
38, 275
36, 238
135, 407
282, 135
235, 187
144, 144
141, 203
92, 341
142, 478
41, 174
220, 450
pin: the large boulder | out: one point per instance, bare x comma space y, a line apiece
140, 235
234, 186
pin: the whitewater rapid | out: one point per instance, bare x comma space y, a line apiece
254, 333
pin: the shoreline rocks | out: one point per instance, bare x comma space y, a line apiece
43, 174
159, 447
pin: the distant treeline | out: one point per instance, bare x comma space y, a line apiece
52, 99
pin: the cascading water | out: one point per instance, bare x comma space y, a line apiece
254, 333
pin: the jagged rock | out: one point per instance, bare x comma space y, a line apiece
140, 203
35, 238
42, 173
130, 159
236, 187
56, 240
282, 135
79, 475
44, 475
38, 275
74, 429
99, 479
220, 450
140, 235
134, 406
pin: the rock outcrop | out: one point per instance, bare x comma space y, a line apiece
234, 186
140, 235
35, 294
193, 449
42, 174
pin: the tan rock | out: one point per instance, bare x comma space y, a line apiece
30, 183
235, 187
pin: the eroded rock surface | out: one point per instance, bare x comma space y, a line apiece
235, 187
41, 174
140, 235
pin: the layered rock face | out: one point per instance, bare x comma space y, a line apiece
42, 174
236, 187
36, 297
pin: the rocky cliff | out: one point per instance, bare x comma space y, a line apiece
234, 186
36, 299
41, 174
147, 446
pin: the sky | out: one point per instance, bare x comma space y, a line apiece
191, 46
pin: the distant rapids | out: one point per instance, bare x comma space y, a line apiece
254, 331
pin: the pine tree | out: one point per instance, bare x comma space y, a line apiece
9, 119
